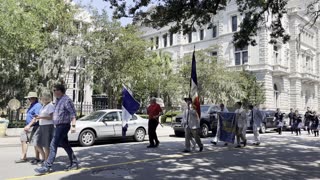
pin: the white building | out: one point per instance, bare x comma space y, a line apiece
289, 72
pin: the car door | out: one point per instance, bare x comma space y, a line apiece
107, 124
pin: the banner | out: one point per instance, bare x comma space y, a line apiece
227, 123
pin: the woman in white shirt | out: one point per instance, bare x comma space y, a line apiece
46, 128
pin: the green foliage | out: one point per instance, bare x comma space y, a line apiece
185, 15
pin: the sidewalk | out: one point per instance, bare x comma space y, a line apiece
9, 141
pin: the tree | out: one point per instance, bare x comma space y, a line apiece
26, 28
116, 56
215, 83
185, 14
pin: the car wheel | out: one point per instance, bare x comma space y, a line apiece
204, 130
87, 138
263, 128
178, 133
139, 135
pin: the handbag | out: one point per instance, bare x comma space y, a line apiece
300, 125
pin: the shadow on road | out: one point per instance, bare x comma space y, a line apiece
276, 159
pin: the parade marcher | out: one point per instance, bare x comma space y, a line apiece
297, 123
191, 123
308, 119
64, 119
290, 116
279, 120
46, 128
154, 112
216, 138
256, 121
27, 135
241, 121
315, 125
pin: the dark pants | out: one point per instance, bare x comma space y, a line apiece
60, 138
152, 127
280, 130
316, 133
298, 131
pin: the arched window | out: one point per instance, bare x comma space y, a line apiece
276, 95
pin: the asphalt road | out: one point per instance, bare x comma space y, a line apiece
278, 157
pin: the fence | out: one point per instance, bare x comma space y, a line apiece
17, 119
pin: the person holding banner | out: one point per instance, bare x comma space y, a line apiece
216, 138
191, 123
256, 121
241, 122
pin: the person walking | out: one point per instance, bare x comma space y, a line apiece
191, 123
241, 121
64, 119
279, 120
215, 140
256, 121
290, 116
154, 112
308, 116
315, 125
46, 127
28, 133
297, 123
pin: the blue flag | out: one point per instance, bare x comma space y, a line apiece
129, 107
227, 123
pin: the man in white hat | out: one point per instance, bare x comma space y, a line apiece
26, 135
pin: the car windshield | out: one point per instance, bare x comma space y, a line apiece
205, 109
93, 116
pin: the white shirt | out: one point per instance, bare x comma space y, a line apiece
45, 111
241, 118
193, 121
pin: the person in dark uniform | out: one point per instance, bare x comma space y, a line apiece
290, 116
315, 124
308, 116
297, 122
279, 120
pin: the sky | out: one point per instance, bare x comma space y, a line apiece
100, 4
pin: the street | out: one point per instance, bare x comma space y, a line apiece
278, 157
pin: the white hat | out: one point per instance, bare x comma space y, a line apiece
31, 95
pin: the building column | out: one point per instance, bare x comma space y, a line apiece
266, 79
284, 95
295, 94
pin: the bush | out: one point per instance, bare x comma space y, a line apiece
17, 124
144, 116
172, 113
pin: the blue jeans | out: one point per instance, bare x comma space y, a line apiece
60, 138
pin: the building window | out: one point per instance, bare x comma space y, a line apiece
165, 40
157, 42
234, 22
241, 55
276, 95
201, 34
276, 55
214, 53
171, 39
214, 31
190, 37
151, 40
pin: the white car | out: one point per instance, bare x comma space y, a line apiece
105, 124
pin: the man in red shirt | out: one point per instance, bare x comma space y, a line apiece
154, 112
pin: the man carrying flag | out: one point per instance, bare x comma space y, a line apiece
129, 107
193, 113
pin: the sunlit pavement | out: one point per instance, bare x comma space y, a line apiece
278, 157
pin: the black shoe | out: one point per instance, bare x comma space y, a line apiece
244, 143
151, 146
35, 161
238, 146
213, 142
201, 149
225, 144
186, 151
256, 144
73, 166
157, 144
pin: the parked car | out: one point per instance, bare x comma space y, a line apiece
106, 124
208, 121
